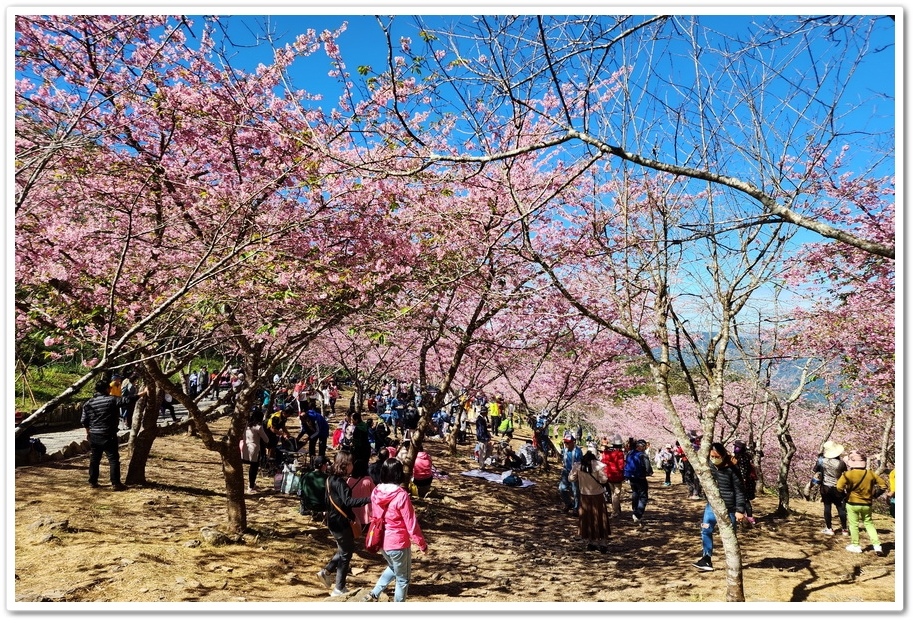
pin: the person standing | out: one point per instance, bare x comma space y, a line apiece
728, 481
637, 470
250, 447
742, 460
128, 390
858, 485
892, 492
593, 519
613, 459
484, 439
569, 490
100, 418
391, 501
830, 467
340, 514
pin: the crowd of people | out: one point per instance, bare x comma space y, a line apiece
350, 491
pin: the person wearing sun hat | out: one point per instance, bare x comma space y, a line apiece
829, 468
859, 484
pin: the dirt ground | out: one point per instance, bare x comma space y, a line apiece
488, 544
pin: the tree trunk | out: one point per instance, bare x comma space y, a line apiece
144, 431
234, 477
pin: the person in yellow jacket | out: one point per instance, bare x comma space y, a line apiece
892, 490
858, 484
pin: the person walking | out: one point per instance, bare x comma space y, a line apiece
614, 459
593, 519
101, 416
830, 467
392, 502
858, 485
340, 514
728, 481
637, 470
665, 460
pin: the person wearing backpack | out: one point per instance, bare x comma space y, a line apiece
391, 500
637, 470
613, 458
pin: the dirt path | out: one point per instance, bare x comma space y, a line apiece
488, 543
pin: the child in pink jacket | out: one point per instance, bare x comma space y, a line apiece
401, 527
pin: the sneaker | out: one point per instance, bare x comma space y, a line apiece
878, 550
323, 576
704, 564
694, 497
827, 531
844, 532
667, 484
855, 549
635, 519
339, 593
751, 520
94, 485
118, 487
370, 596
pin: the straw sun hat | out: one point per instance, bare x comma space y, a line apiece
832, 450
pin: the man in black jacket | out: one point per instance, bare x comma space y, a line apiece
101, 415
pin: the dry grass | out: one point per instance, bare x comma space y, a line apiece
488, 543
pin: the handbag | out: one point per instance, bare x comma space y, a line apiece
354, 525
375, 533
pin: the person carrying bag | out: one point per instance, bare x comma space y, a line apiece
341, 520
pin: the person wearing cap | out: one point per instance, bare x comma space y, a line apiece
569, 490
829, 468
665, 459
613, 458
858, 484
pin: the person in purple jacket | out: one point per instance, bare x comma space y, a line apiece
390, 499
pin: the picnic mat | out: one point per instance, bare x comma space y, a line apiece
497, 478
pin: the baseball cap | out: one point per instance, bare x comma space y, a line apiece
568, 436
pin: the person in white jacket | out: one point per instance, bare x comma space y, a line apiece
391, 500
250, 447
593, 519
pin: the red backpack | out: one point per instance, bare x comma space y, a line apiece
613, 464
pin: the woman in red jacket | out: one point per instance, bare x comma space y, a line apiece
392, 501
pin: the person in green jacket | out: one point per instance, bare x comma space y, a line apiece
858, 483
312, 489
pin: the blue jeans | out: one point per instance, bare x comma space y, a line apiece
708, 525
639, 496
569, 491
398, 570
